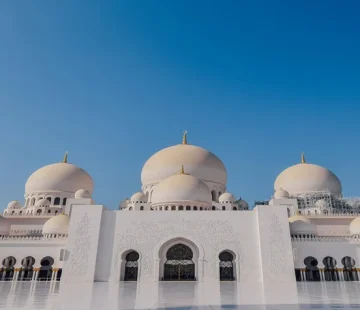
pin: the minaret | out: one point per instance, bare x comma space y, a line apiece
65, 157
303, 161
184, 139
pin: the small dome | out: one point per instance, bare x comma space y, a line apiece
14, 205
355, 226
82, 193
43, 203
199, 162
280, 193
300, 224
181, 187
4, 226
59, 177
227, 197
307, 178
138, 197
58, 224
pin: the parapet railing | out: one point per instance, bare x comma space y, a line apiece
33, 238
326, 239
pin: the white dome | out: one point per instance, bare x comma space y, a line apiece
281, 194
355, 226
300, 224
82, 193
43, 203
181, 187
307, 178
61, 177
138, 197
4, 226
14, 205
227, 197
199, 162
58, 224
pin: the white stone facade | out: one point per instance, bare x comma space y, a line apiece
184, 227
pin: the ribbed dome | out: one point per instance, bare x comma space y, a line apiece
58, 224
181, 187
199, 162
300, 224
14, 205
138, 197
61, 177
355, 226
307, 178
227, 197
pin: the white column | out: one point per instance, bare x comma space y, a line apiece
303, 275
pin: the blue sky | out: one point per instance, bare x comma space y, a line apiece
112, 82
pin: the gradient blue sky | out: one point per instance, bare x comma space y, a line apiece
112, 82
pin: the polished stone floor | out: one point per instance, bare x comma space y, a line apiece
165, 295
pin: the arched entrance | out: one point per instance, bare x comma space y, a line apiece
350, 273
27, 272
45, 272
179, 265
7, 272
226, 266
312, 272
131, 266
330, 272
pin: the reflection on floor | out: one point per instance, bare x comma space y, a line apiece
165, 295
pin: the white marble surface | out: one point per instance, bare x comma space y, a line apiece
166, 295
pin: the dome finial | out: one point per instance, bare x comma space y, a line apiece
184, 139
65, 157
182, 170
303, 161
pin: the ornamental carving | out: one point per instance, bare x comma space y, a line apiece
278, 263
79, 255
212, 235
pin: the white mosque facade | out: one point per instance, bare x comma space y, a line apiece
182, 226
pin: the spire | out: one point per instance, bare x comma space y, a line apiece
303, 161
184, 139
65, 157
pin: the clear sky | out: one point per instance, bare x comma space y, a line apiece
112, 82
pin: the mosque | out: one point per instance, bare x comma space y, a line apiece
182, 226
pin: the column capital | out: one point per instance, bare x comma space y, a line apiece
17, 269
37, 269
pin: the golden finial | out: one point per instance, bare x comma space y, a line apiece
184, 139
182, 170
65, 157
303, 161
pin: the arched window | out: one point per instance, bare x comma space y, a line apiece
130, 208
39, 198
57, 201
142, 208
226, 266
49, 211
188, 208
223, 207
64, 201
13, 212
32, 201
49, 199
201, 208
181, 208
173, 208
131, 266
311, 271
179, 265
195, 208
234, 208
349, 271
39, 211
213, 208
20, 212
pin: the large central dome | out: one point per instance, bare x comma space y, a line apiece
199, 162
